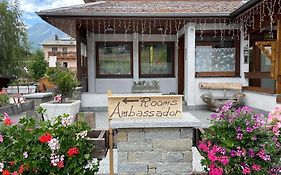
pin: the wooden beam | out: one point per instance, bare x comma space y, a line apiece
236, 86
259, 89
262, 44
257, 75
270, 54
278, 56
278, 99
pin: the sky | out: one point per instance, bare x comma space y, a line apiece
29, 7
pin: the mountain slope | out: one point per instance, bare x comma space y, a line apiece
42, 31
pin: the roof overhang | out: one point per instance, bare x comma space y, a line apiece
244, 8
139, 15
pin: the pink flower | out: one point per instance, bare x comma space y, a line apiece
58, 98
224, 160
246, 170
202, 146
256, 167
1, 138
15, 173
212, 157
215, 171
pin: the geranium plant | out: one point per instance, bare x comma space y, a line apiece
54, 148
238, 143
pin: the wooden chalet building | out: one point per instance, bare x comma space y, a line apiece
179, 43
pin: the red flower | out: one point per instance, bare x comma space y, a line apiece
72, 151
21, 169
12, 163
6, 172
7, 121
60, 164
45, 138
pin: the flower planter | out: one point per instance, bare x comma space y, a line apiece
99, 138
53, 109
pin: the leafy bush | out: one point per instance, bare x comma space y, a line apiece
38, 65
4, 98
46, 148
64, 79
239, 143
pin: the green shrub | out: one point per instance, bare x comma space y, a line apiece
64, 79
4, 99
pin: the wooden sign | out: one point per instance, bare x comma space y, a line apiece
163, 106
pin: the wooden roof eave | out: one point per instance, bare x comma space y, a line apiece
131, 15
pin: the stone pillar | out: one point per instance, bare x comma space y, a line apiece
136, 56
155, 146
91, 63
189, 64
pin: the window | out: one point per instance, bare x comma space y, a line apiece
64, 49
114, 60
217, 56
64, 64
54, 49
157, 60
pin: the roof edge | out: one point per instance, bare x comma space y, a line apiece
243, 8
163, 15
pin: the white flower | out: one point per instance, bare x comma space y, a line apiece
82, 135
25, 155
1, 167
91, 164
55, 159
66, 121
54, 144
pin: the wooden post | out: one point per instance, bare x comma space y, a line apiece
111, 160
278, 59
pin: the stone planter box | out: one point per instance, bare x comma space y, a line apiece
99, 138
87, 117
145, 89
15, 109
21, 89
39, 98
56, 109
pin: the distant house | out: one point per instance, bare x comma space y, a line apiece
178, 43
61, 52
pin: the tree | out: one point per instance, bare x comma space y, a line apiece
14, 47
38, 65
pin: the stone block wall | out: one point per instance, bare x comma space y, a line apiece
164, 151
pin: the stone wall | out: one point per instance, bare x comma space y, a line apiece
164, 151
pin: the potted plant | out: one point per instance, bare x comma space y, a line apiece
66, 83
240, 142
61, 147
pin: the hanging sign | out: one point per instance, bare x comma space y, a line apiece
163, 106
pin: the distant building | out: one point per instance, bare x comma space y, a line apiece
61, 52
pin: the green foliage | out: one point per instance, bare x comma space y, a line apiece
4, 99
24, 146
13, 40
38, 65
238, 142
64, 79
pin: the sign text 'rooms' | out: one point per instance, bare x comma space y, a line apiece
145, 107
